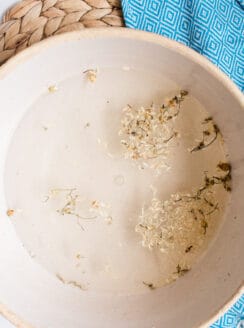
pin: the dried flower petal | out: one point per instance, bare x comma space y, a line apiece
10, 212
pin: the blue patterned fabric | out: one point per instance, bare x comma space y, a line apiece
214, 28
234, 318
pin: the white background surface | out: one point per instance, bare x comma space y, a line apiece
4, 4
5, 324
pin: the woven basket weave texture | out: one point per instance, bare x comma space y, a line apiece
30, 21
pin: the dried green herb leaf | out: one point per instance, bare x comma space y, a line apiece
204, 225
181, 271
206, 133
184, 93
149, 285
224, 166
208, 119
188, 249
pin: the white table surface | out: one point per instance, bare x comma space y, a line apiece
5, 324
4, 4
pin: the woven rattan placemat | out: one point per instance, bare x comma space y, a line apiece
30, 21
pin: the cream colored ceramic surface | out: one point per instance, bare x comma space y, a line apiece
71, 155
45, 301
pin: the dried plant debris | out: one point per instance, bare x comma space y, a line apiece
181, 271
149, 285
109, 220
188, 248
87, 125
181, 222
52, 88
224, 178
210, 134
73, 205
174, 223
91, 75
70, 207
10, 212
226, 167
71, 282
147, 132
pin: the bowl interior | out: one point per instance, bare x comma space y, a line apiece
155, 66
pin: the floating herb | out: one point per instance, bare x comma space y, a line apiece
192, 211
226, 167
149, 285
165, 223
181, 271
109, 220
209, 135
188, 249
10, 212
146, 132
71, 205
71, 282
215, 208
225, 180
204, 225
87, 125
52, 88
91, 75
207, 119
208, 202
75, 206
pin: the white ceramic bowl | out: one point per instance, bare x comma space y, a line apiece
28, 293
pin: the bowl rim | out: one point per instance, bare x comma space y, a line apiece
138, 35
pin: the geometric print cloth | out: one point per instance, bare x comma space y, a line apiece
234, 318
214, 28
